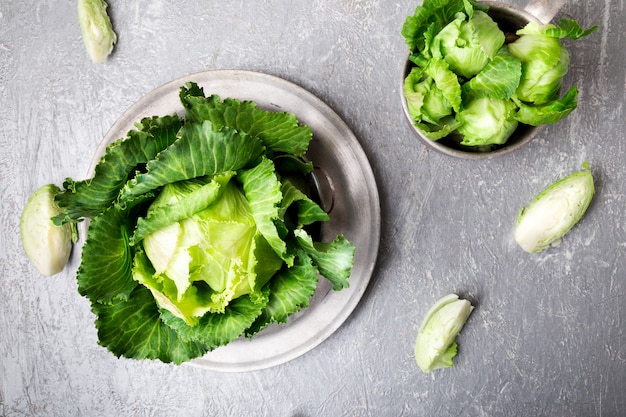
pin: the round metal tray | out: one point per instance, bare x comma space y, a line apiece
348, 188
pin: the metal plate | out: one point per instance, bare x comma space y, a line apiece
348, 190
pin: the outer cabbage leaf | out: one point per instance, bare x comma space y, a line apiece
468, 44
178, 201
107, 258
200, 150
446, 81
289, 166
132, 328
90, 197
333, 259
290, 290
262, 189
279, 131
446, 127
308, 211
214, 330
567, 28
548, 113
499, 79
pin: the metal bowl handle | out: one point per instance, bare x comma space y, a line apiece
544, 10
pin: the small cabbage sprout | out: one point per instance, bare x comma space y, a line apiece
433, 93
425, 101
545, 60
48, 246
554, 212
436, 345
467, 45
487, 121
97, 30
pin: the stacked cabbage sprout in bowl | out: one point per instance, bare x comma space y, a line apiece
481, 77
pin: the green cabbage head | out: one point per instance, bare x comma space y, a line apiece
202, 262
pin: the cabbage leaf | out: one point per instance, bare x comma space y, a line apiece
279, 131
90, 197
133, 328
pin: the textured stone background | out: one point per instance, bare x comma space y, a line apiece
547, 336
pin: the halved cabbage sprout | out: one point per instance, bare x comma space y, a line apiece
96, 28
554, 212
436, 346
47, 245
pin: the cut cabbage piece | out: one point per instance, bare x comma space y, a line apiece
436, 345
554, 212
48, 246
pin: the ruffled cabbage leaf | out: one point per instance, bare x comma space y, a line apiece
289, 292
90, 197
214, 330
552, 112
200, 150
105, 271
133, 328
279, 131
498, 79
262, 189
432, 16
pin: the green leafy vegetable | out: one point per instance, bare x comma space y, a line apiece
90, 197
468, 43
200, 229
498, 79
487, 121
467, 81
97, 31
554, 212
544, 59
436, 346
47, 245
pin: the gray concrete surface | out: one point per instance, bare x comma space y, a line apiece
547, 337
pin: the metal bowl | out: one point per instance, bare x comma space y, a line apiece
509, 18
